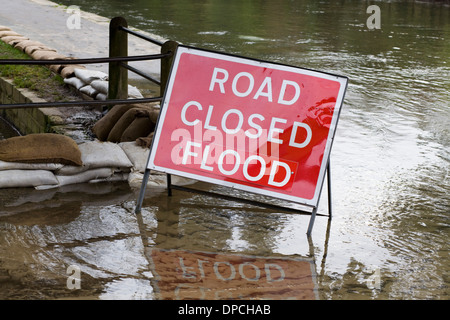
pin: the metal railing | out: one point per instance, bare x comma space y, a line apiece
118, 69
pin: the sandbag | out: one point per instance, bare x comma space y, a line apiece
47, 55
26, 178
29, 166
68, 71
137, 155
100, 86
12, 40
82, 177
74, 82
102, 127
101, 96
134, 92
96, 154
7, 33
41, 148
87, 76
122, 124
89, 90
140, 127
26, 43
145, 142
29, 50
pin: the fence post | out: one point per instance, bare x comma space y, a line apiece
118, 47
166, 63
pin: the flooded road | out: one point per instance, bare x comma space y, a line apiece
390, 162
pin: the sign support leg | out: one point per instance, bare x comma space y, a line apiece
142, 192
330, 206
169, 184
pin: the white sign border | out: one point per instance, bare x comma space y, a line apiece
313, 202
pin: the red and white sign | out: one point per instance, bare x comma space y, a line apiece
252, 125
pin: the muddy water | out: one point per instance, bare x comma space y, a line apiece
388, 238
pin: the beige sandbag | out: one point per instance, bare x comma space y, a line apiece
7, 33
47, 55
55, 68
122, 124
41, 148
26, 178
145, 142
140, 127
29, 50
25, 43
68, 71
103, 127
12, 40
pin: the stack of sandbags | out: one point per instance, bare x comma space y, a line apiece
31, 160
101, 161
38, 51
50, 160
95, 84
74, 74
10, 37
125, 123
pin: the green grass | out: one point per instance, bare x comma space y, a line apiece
43, 81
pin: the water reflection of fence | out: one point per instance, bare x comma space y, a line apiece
118, 69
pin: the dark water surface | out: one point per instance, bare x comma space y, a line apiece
390, 168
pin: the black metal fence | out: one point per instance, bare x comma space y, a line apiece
118, 69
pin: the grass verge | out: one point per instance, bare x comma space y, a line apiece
40, 79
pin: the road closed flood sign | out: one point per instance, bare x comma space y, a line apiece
252, 125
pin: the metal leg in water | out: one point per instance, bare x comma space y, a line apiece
330, 206
169, 185
142, 192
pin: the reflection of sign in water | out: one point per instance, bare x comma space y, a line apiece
198, 275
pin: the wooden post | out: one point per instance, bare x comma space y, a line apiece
118, 47
166, 63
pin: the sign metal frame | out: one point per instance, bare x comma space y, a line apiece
325, 162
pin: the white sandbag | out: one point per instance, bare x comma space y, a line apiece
6, 165
134, 93
75, 82
121, 176
87, 76
89, 91
100, 173
26, 178
137, 155
82, 177
100, 85
97, 154
101, 96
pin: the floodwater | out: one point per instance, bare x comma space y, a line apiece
390, 162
